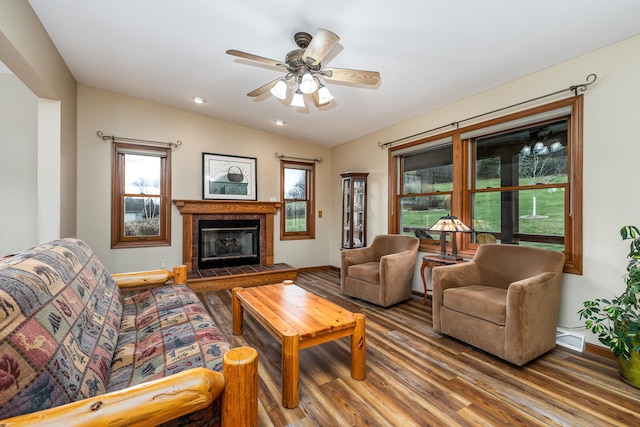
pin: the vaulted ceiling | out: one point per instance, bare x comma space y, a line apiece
429, 53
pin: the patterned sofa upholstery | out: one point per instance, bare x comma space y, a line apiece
67, 332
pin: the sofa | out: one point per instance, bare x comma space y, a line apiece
504, 301
381, 273
76, 349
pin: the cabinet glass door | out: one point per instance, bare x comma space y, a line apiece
354, 209
346, 213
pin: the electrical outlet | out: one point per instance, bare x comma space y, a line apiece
163, 263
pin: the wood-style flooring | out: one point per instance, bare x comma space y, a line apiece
418, 377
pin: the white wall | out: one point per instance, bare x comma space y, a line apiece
18, 166
27, 50
611, 149
115, 114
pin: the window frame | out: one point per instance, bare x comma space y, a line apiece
310, 169
118, 194
463, 172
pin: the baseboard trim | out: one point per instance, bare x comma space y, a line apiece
598, 350
319, 267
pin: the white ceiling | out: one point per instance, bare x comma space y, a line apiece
429, 52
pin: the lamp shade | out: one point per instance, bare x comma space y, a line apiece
280, 89
298, 99
324, 95
449, 223
308, 84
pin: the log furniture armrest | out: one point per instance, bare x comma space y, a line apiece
151, 277
164, 399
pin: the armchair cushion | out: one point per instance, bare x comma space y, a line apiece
369, 272
484, 302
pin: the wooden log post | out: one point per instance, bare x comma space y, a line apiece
180, 274
358, 349
237, 314
240, 396
290, 368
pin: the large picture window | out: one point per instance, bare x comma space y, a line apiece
141, 196
517, 178
298, 190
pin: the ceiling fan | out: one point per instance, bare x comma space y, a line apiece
304, 69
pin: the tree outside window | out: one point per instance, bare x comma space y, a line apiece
140, 196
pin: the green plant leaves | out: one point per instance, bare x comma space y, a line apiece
616, 322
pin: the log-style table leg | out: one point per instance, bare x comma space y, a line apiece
290, 368
424, 281
237, 312
358, 349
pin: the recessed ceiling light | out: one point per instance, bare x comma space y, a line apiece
279, 122
199, 100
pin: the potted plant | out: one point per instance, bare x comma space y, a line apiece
616, 322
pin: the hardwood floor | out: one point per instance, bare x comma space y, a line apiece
417, 377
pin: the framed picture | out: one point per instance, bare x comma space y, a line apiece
228, 177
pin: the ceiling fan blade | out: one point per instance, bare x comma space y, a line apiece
262, 89
351, 76
320, 45
257, 58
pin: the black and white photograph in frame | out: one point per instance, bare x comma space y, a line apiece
228, 177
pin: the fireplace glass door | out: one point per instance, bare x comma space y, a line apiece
229, 243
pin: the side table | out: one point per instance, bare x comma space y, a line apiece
434, 261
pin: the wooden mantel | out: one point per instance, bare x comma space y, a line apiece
226, 207
189, 208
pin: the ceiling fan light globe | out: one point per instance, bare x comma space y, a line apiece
324, 96
298, 99
279, 90
308, 84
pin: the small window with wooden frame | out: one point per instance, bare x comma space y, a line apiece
297, 183
140, 196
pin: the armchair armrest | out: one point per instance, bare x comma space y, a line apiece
404, 260
533, 298
150, 403
532, 312
357, 256
151, 277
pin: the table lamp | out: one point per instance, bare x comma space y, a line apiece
452, 224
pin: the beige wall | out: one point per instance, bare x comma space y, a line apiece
18, 165
611, 148
119, 115
25, 48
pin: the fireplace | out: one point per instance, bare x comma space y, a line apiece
227, 243
195, 212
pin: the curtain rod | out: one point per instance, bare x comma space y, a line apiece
591, 78
283, 157
114, 138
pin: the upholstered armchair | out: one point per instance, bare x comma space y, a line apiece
381, 273
504, 301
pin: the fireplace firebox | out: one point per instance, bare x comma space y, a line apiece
227, 243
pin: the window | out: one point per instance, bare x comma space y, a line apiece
518, 178
140, 196
298, 187
426, 188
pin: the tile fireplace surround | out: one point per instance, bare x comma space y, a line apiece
195, 210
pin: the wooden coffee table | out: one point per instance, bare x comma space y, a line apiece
299, 319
